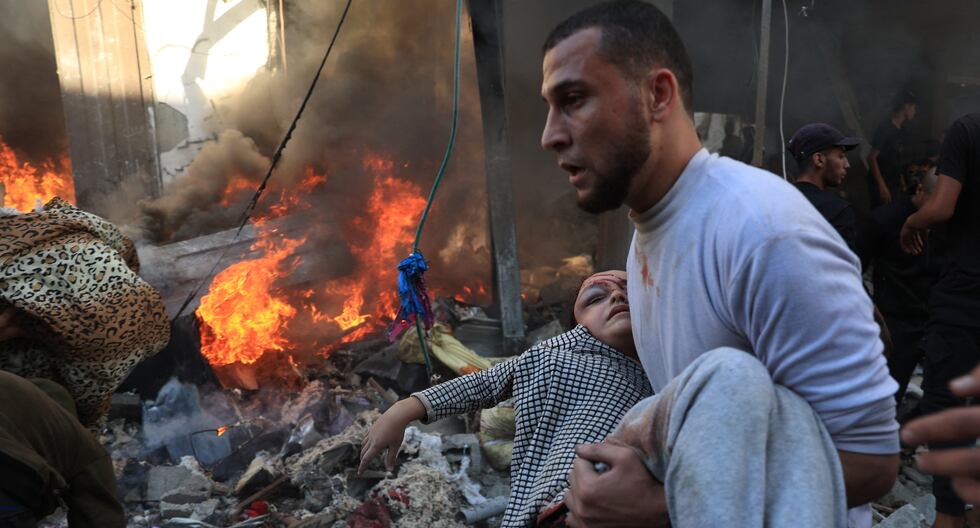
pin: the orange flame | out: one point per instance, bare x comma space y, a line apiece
26, 185
242, 316
222, 430
245, 315
381, 237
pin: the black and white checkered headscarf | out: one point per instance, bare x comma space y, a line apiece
569, 390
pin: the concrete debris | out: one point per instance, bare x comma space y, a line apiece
459, 446
286, 458
905, 517
927, 505
899, 496
916, 476
161, 479
260, 473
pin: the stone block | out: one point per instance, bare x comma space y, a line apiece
899, 496
905, 517
161, 479
917, 476
927, 505
196, 488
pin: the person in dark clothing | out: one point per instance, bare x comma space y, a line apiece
902, 281
888, 150
952, 342
820, 151
47, 458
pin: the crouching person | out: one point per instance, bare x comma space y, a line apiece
47, 460
571, 389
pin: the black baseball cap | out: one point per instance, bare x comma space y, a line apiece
815, 137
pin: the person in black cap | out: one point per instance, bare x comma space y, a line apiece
820, 151
888, 151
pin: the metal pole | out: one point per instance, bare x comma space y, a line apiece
762, 83
487, 19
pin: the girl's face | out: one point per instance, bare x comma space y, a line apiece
603, 309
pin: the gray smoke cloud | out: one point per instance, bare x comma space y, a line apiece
386, 92
31, 117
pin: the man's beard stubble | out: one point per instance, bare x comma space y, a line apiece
612, 186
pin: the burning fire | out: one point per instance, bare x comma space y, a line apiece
222, 430
242, 316
246, 314
26, 185
380, 239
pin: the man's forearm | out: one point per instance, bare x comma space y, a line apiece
867, 477
875, 170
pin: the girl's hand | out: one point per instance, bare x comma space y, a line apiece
389, 432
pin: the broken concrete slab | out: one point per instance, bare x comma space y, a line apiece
161, 479
205, 510
899, 496
194, 489
917, 476
169, 510
927, 505
905, 517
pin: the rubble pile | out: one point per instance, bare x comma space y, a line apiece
276, 457
910, 503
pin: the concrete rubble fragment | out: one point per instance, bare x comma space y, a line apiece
905, 517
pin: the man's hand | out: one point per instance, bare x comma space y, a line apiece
388, 432
8, 326
625, 495
913, 238
963, 465
884, 193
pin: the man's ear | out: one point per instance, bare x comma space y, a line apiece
661, 93
818, 160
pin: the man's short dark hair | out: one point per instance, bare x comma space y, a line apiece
807, 162
902, 98
636, 37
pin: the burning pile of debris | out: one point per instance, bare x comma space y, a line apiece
286, 454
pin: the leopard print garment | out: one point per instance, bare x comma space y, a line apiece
88, 317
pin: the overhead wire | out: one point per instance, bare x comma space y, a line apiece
72, 16
247, 212
782, 92
438, 180
452, 133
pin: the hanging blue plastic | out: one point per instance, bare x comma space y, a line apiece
414, 299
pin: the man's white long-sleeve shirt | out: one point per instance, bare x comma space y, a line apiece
735, 256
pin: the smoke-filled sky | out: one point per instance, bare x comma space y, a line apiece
31, 119
386, 91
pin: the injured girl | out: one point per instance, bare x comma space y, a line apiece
569, 390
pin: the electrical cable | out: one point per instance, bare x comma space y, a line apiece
782, 93
246, 213
452, 133
72, 16
435, 185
